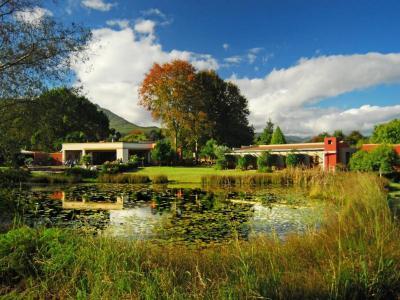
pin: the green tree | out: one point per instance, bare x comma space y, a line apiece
227, 110
266, 136
208, 150
35, 51
162, 153
339, 134
264, 162
388, 133
57, 116
278, 137
221, 161
292, 159
361, 161
354, 137
320, 137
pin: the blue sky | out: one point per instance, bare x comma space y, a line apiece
308, 65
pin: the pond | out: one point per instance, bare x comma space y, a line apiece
172, 214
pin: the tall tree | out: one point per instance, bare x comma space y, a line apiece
57, 116
34, 48
320, 137
227, 110
171, 93
266, 135
278, 137
339, 134
354, 137
387, 133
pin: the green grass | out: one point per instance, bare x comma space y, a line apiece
355, 254
187, 175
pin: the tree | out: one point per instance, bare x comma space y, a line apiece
266, 135
264, 162
292, 159
57, 116
208, 151
227, 110
381, 159
388, 133
35, 49
221, 161
354, 137
320, 137
162, 152
278, 137
339, 134
172, 94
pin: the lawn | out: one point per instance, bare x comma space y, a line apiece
187, 174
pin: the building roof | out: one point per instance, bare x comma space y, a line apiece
369, 147
282, 147
108, 146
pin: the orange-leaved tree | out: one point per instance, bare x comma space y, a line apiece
172, 94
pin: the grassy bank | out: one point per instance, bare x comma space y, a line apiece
355, 254
188, 174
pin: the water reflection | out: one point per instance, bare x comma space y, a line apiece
188, 215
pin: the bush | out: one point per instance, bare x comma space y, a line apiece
52, 178
292, 159
117, 167
381, 159
162, 153
86, 159
123, 178
83, 173
264, 162
9, 177
160, 179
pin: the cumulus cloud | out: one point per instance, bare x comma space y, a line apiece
145, 27
290, 96
118, 62
32, 16
97, 5
121, 23
225, 46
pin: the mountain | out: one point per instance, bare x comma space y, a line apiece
122, 125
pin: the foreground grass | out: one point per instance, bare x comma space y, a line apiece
355, 254
188, 174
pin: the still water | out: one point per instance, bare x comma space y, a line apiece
172, 214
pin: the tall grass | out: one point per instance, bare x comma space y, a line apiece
285, 177
355, 254
123, 178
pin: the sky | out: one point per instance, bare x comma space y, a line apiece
309, 66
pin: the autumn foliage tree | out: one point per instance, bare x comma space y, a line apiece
172, 94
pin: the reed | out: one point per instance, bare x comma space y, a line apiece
285, 177
159, 179
123, 178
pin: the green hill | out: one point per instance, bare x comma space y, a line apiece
122, 125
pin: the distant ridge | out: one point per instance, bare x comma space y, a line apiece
122, 125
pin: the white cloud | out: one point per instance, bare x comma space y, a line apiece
289, 95
33, 16
233, 59
118, 62
162, 18
121, 23
97, 5
145, 26
225, 46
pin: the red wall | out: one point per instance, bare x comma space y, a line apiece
331, 159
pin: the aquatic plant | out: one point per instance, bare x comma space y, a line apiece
159, 179
123, 178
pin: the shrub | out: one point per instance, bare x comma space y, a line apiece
160, 179
292, 159
53, 178
83, 173
86, 159
221, 162
264, 162
9, 177
123, 178
117, 167
162, 153
134, 160
381, 159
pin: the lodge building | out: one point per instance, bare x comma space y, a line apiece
327, 154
